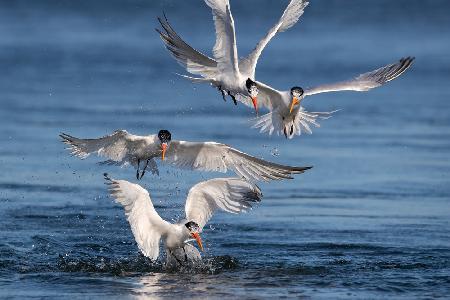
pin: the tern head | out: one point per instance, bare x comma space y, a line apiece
252, 90
194, 229
297, 94
164, 137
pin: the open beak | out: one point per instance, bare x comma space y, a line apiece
196, 236
293, 103
255, 104
163, 148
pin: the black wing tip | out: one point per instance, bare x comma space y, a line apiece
252, 197
64, 135
299, 170
164, 15
108, 179
66, 138
164, 22
257, 193
406, 62
408, 58
160, 20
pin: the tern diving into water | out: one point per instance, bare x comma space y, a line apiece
287, 116
231, 195
123, 148
226, 72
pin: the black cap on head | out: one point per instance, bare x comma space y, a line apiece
249, 83
297, 89
164, 136
192, 226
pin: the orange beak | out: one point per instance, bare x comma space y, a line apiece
163, 147
196, 236
255, 104
293, 103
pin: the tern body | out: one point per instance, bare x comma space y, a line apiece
231, 195
288, 117
228, 73
123, 148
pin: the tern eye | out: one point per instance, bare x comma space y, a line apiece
253, 89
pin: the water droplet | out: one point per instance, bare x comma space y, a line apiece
275, 152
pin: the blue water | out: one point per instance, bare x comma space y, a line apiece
370, 220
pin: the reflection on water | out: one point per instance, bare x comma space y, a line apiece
177, 285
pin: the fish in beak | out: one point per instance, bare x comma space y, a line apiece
293, 103
197, 237
255, 104
163, 149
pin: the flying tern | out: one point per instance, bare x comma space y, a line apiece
123, 148
289, 117
226, 72
231, 195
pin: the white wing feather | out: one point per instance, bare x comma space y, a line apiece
120, 147
147, 226
291, 15
225, 49
113, 146
231, 195
366, 81
210, 156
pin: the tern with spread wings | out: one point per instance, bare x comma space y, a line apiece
287, 116
228, 73
123, 148
231, 195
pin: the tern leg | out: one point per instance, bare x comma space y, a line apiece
137, 171
185, 255
223, 93
145, 168
232, 97
176, 258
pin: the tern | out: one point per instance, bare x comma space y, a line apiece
122, 148
231, 195
229, 74
289, 117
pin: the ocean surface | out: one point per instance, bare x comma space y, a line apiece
371, 220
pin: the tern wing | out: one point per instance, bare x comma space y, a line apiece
291, 15
268, 96
116, 147
210, 156
366, 81
147, 226
194, 61
231, 195
225, 49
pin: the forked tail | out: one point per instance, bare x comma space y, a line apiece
302, 121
